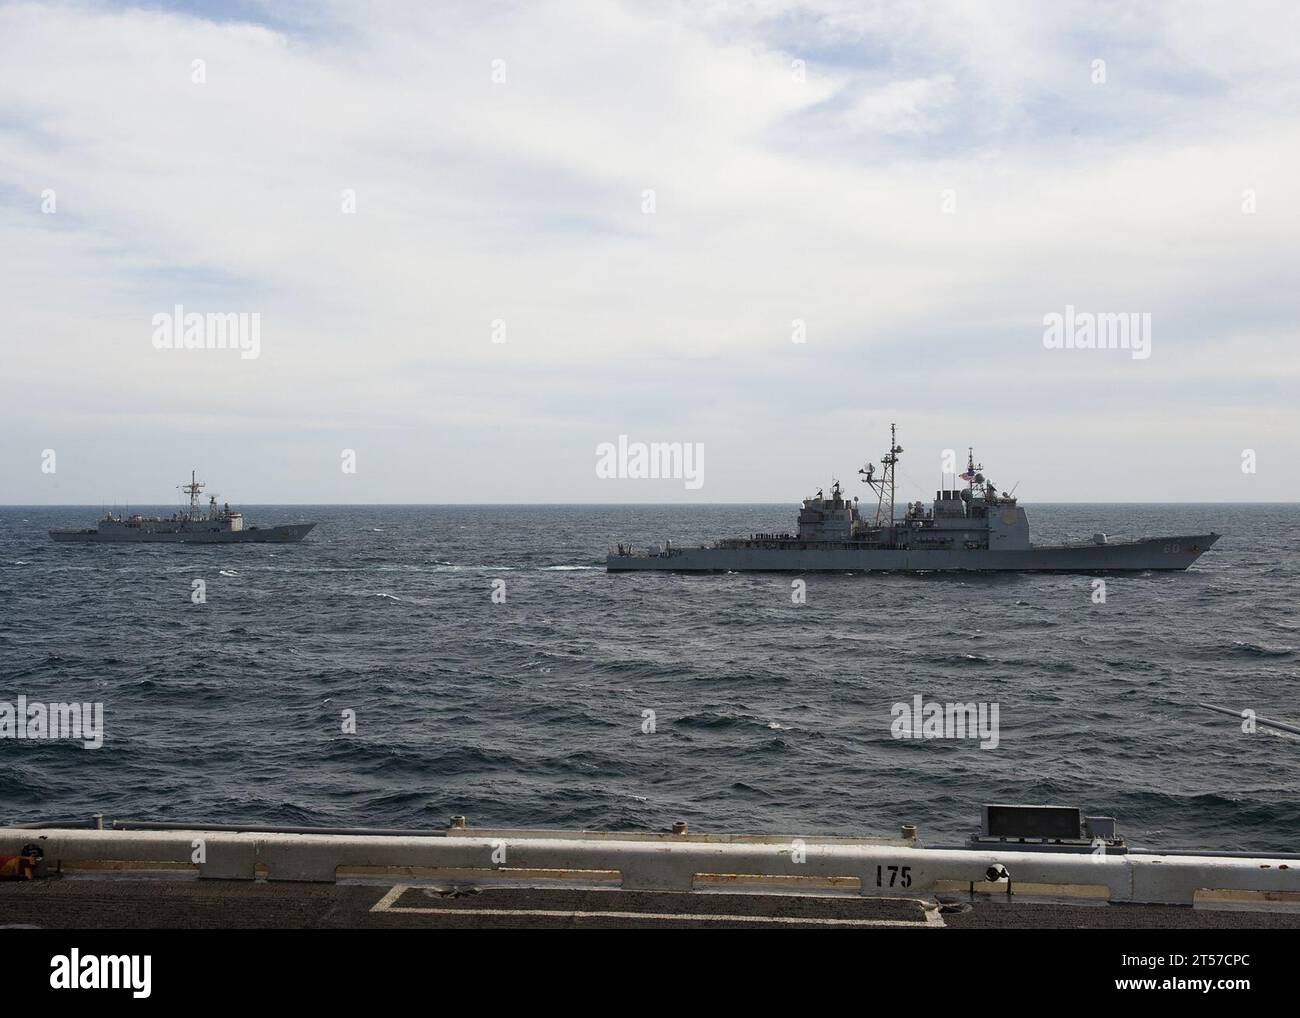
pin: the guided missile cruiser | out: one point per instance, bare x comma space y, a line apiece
974, 528
219, 525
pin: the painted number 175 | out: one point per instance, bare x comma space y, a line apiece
899, 876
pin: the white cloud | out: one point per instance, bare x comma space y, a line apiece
776, 199
919, 106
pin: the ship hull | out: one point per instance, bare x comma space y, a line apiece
1156, 553
287, 534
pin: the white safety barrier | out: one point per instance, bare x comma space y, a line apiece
662, 863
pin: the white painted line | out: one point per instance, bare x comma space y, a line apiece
385, 904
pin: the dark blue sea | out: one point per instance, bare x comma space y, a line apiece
769, 716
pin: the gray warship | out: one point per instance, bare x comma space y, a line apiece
970, 529
219, 525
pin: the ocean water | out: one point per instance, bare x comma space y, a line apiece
768, 716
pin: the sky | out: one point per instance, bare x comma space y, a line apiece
484, 239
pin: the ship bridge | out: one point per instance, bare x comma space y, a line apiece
828, 519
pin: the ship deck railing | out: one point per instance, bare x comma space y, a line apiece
795, 544
659, 861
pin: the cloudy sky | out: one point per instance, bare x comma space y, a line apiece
645, 197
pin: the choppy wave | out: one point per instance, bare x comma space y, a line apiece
1260, 649
630, 701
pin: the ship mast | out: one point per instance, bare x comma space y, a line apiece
192, 489
973, 475
890, 460
886, 483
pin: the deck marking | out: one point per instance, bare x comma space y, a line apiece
384, 903
932, 919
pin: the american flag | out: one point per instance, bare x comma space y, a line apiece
967, 476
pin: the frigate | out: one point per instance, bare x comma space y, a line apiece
975, 528
219, 525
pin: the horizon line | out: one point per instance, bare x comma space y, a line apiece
599, 505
